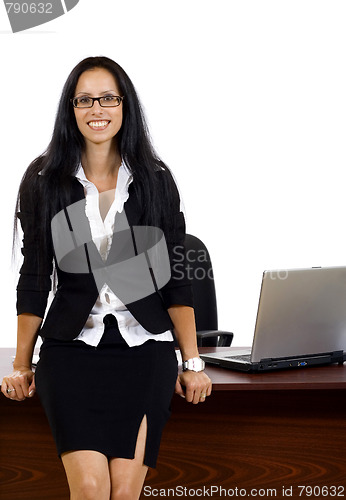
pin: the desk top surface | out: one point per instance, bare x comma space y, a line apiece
317, 378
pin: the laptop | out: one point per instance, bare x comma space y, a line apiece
301, 322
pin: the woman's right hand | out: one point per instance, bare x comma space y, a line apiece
19, 385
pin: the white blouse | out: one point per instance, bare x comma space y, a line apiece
102, 233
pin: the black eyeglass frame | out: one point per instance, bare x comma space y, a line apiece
98, 100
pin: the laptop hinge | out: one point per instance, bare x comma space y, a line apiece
331, 357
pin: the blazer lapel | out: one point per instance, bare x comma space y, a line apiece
132, 208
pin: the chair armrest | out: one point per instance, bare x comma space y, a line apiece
223, 339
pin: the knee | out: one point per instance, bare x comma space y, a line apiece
124, 492
90, 488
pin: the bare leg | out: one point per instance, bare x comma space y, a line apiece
127, 476
87, 474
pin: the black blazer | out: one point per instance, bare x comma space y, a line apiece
76, 293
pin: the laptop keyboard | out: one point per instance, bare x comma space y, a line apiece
244, 357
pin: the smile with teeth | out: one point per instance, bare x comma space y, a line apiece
99, 124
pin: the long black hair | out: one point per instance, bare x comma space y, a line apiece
60, 162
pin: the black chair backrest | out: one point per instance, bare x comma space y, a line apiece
201, 272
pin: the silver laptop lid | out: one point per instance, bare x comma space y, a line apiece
300, 312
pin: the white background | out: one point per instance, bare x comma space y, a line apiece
246, 103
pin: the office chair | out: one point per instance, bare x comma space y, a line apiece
201, 273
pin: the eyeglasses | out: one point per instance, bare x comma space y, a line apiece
107, 101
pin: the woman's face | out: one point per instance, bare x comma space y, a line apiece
98, 124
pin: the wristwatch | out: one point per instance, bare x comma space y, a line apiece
194, 364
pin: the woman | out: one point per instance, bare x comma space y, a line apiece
107, 367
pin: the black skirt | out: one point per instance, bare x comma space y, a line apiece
95, 398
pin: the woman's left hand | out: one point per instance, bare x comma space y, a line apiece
193, 386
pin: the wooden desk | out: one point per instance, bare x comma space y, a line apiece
262, 431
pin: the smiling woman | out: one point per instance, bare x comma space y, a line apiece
105, 114
107, 368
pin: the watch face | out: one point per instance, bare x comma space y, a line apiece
200, 364
194, 364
